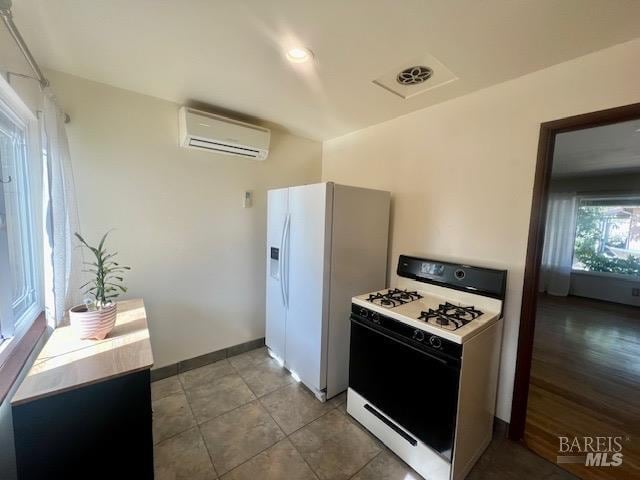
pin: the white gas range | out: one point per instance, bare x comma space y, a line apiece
424, 363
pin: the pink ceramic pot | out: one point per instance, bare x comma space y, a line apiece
92, 323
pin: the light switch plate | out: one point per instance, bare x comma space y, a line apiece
247, 199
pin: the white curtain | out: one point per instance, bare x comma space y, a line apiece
62, 259
557, 256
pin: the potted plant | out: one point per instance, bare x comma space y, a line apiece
97, 316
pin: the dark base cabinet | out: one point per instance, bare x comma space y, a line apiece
100, 431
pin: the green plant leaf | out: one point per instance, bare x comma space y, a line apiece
106, 272
104, 237
85, 284
94, 250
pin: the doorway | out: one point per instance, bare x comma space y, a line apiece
578, 366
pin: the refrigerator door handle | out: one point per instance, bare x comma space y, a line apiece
285, 277
281, 260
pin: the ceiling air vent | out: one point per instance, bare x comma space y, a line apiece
414, 75
407, 82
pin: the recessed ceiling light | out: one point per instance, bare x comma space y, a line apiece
299, 55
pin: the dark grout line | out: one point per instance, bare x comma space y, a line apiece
303, 459
366, 464
213, 465
315, 419
188, 404
260, 453
174, 435
217, 378
336, 407
249, 387
257, 398
264, 449
228, 411
197, 426
170, 393
287, 437
265, 394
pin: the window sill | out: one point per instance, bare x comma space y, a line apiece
19, 355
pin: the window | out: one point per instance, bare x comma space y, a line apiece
20, 299
608, 236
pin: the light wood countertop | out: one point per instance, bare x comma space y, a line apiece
66, 363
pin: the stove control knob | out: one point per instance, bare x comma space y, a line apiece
364, 312
418, 335
375, 317
435, 341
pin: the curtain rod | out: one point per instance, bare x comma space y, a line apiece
7, 17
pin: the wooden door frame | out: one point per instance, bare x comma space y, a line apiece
546, 143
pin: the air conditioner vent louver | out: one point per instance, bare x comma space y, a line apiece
224, 147
214, 133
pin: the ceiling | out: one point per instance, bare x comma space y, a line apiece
601, 150
230, 54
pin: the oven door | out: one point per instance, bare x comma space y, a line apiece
415, 387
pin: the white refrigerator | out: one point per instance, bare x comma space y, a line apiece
325, 244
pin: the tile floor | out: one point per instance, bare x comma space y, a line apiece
245, 418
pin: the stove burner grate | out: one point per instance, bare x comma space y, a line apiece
464, 313
450, 316
393, 297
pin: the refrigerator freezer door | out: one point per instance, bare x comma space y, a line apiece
276, 313
308, 251
358, 264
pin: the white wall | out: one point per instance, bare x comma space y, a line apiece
461, 172
607, 287
197, 255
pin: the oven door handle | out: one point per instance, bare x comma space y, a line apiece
391, 425
444, 361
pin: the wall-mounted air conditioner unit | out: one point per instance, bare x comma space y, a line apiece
215, 133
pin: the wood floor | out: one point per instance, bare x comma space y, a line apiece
585, 380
